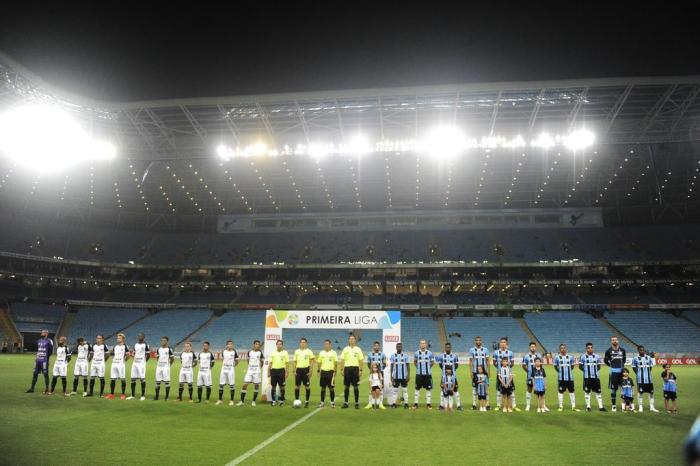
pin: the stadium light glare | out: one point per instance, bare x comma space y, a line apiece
579, 139
544, 141
444, 142
359, 145
47, 139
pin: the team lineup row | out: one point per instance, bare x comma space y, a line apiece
91, 365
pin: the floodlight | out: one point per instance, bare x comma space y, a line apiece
579, 139
445, 142
317, 150
544, 140
359, 145
225, 152
46, 138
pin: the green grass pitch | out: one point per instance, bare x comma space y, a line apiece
55, 430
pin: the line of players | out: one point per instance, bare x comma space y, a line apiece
351, 362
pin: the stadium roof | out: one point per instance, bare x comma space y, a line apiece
644, 154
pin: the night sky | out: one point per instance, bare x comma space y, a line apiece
128, 53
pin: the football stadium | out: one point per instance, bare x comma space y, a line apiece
494, 272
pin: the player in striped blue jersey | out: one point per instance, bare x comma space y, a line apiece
478, 357
528, 366
590, 363
445, 360
504, 353
423, 360
400, 373
448, 387
670, 389
642, 365
378, 357
564, 365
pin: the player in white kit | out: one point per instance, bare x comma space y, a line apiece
189, 360
142, 354
60, 366
228, 372
254, 373
99, 355
206, 362
164, 359
120, 353
81, 366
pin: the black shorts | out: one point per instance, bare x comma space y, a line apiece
424, 381
539, 393
565, 385
591, 385
400, 383
507, 391
646, 388
628, 400
670, 396
615, 380
482, 397
351, 376
327, 379
474, 379
277, 377
301, 377
447, 393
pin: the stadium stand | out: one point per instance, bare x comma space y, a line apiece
659, 332
89, 321
573, 328
33, 318
693, 316
175, 323
240, 326
338, 338
462, 330
413, 329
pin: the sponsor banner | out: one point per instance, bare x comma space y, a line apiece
564, 307
333, 319
373, 307
629, 306
410, 307
447, 307
485, 306
523, 306
678, 361
674, 306
327, 306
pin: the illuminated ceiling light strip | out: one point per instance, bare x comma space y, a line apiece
482, 177
545, 182
186, 192
355, 185
610, 181
515, 179
265, 186
166, 196
35, 184
449, 183
139, 188
7, 176
293, 183
388, 181
418, 190
92, 184
117, 195
64, 188
636, 184
319, 172
241, 196
578, 179
209, 191
692, 180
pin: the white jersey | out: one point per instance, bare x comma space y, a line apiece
188, 361
164, 355
83, 351
62, 354
255, 361
230, 358
140, 352
206, 360
119, 352
98, 353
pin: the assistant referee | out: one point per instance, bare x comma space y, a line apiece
352, 358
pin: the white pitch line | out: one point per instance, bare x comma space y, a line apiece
265, 443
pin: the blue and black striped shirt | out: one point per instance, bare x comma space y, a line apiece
564, 364
399, 366
424, 362
590, 365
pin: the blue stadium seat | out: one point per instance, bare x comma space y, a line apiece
658, 331
490, 329
573, 328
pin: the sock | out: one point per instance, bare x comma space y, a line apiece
428, 397
560, 396
512, 400
199, 393
208, 393
332, 393
296, 393
528, 398
85, 384
75, 384
123, 386
416, 397
405, 394
473, 396
46, 381
356, 389
63, 383
180, 390
369, 397
112, 383
599, 399
143, 388
92, 385
587, 397
613, 396
572, 398
457, 400
282, 393
221, 392
190, 389
443, 400
323, 394
347, 393
499, 399
640, 398
243, 393
34, 379
255, 394
157, 390
102, 386
133, 388
651, 401
308, 393
233, 391
53, 383
167, 390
